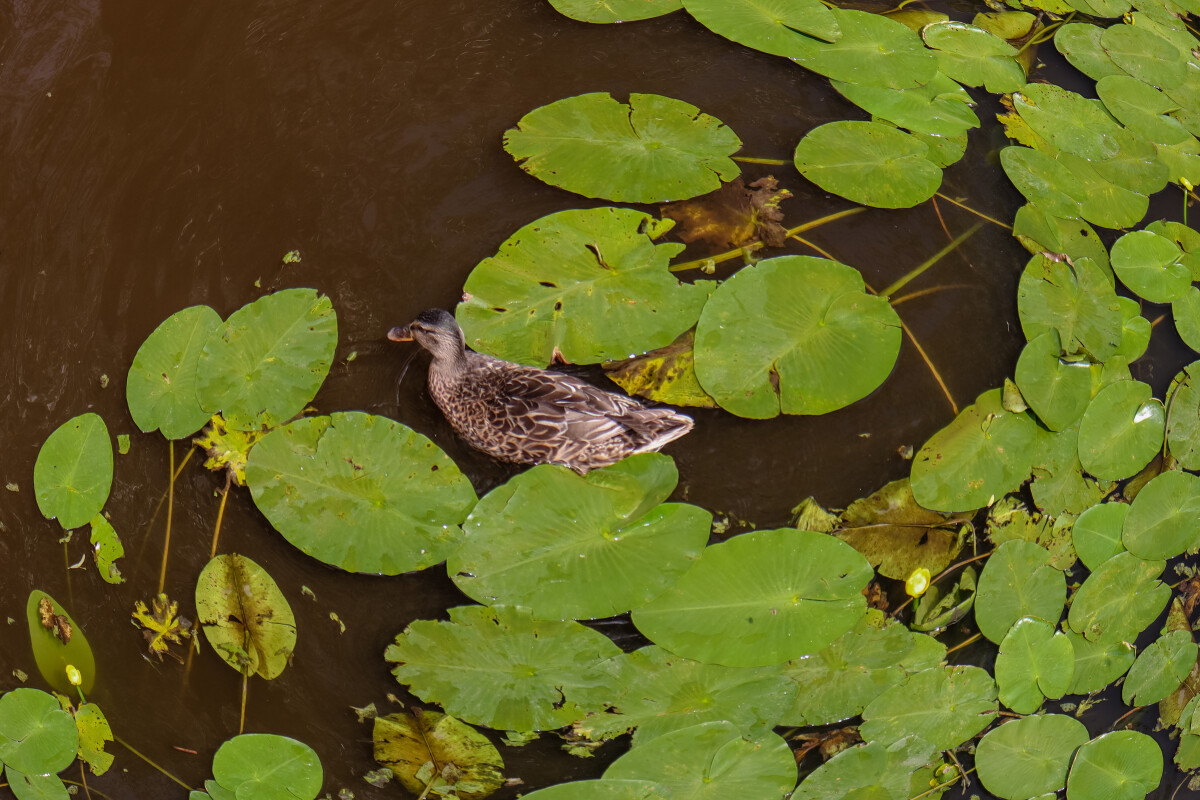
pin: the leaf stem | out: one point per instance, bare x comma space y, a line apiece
904, 298
220, 515
963, 644
929, 363
979, 214
742, 251
929, 262
774, 162
245, 690
146, 758
162, 575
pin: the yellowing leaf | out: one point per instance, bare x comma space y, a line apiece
162, 626
667, 375
433, 752
227, 449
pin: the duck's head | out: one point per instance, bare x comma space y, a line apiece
436, 331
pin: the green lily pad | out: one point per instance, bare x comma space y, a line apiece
1121, 765
1119, 599
1135, 168
106, 549
760, 598
1079, 42
1058, 391
1182, 161
36, 736
264, 364
1151, 266
1097, 665
816, 342
49, 624
869, 163
1121, 430
872, 771
1105, 202
1135, 330
946, 706
772, 26
1097, 533
1068, 121
161, 387
872, 50
941, 107
1043, 180
661, 693
1142, 109
612, 11
360, 492
1059, 485
268, 767
1186, 313
1164, 518
1188, 240
246, 618
1145, 55
1034, 663
604, 789
1028, 757
1018, 581
1075, 299
584, 285
711, 761
570, 546
652, 150
1183, 417
944, 151
1160, 669
407, 743
501, 668
73, 472
976, 57
1040, 232
983, 454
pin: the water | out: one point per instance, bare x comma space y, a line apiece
157, 156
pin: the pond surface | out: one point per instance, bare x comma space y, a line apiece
157, 156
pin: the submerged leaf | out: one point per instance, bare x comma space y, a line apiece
467, 765
246, 618
58, 642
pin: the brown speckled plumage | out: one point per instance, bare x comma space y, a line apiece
527, 415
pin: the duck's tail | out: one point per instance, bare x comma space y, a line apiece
654, 428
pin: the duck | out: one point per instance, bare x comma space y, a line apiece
526, 415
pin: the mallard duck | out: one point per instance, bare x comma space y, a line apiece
527, 415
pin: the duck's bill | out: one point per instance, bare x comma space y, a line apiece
400, 333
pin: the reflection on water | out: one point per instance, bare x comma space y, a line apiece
162, 155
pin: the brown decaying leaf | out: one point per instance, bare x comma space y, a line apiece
432, 752
827, 743
54, 622
665, 375
732, 216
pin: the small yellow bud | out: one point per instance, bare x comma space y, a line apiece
918, 582
1186, 184
73, 675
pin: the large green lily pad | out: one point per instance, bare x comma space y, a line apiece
652, 150
1068, 121
1039, 232
1075, 299
1183, 417
161, 387
1018, 581
1159, 669
1080, 43
876, 770
1044, 181
569, 546
1119, 599
772, 26
265, 766
794, 334
869, 163
1121, 765
605, 12
1121, 430
872, 50
360, 492
1097, 533
976, 57
940, 107
264, 364
36, 736
73, 472
1057, 390
1145, 55
982, 455
584, 286
1028, 757
1034, 663
1097, 665
501, 668
246, 618
1164, 519
1151, 265
760, 598
946, 706
1142, 108
1059, 484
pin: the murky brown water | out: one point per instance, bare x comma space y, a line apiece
159, 155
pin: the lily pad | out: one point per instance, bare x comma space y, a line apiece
1121, 765
1018, 581
1142, 109
1186, 313
1059, 485
661, 693
264, 364
1151, 266
1160, 669
94, 732
1057, 390
161, 387
1076, 299
1164, 518
946, 706
1188, 240
1135, 330
1097, 533
652, 150
73, 472
1105, 202
36, 736
1183, 417
1145, 55
106, 549
1119, 599
1121, 430
611, 11
583, 285
1079, 42
815, 342
869, 163
1043, 180
360, 492
872, 771
501, 668
872, 50
976, 57
1034, 663
771, 26
983, 454
246, 618
604, 789
665, 375
1028, 757
268, 767
1039, 232
35, 787
1136, 168
1068, 121
1097, 665
760, 598
711, 761
941, 107
570, 546
458, 754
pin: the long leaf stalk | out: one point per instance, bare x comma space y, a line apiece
221, 514
147, 759
162, 575
936, 257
